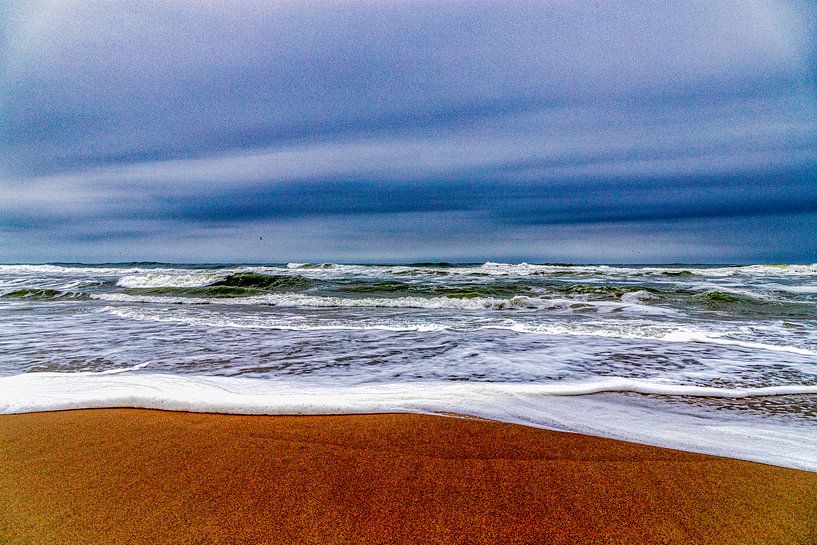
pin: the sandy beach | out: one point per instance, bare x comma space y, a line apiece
290, 272
138, 476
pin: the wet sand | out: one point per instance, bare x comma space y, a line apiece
152, 477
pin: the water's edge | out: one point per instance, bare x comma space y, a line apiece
564, 407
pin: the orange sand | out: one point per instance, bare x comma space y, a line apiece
125, 476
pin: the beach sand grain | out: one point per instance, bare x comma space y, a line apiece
149, 477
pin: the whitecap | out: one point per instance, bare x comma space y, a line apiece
170, 280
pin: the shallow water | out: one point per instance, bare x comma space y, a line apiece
713, 359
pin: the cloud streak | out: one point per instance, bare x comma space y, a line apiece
123, 126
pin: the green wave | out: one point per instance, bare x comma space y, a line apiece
234, 285
501, 290
40, 293
206, 291
466, 291
612, 292
266, 282
716, 298
386, 286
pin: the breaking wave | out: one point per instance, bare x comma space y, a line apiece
519, 302
45, 294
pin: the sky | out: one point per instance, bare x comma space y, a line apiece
602, 132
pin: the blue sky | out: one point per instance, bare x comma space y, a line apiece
401, 131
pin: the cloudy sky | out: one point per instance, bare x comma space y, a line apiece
400, 131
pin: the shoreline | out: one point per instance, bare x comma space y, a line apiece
609, 412
149, 476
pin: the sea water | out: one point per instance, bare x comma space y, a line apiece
715, 359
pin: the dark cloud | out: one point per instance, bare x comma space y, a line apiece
124, 127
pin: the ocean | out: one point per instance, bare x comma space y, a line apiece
713, 359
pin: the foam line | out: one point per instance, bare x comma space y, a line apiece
566, 406
659, 332
161, 280
433, 303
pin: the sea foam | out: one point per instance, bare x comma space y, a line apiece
518, 302
163, 280
561, 406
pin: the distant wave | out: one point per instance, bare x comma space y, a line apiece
488, 268
680, 270
311, 266
73, 270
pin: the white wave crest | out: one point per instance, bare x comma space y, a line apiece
114, 371
659, 332
169, 280
636, 297
311, 266
488, 268
159, 299
295, 300
525, 269
65, 270
808, 289
292, 323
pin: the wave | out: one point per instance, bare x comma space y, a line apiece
82, 269
317, 301
454, 290
674, 273
809, 289
147, 297
189, 294
565, 406
195, 284
662, 332
718, 298
609, 292
168, 280
519, 302
311, 266
273, 323
525, 269
115, 371
45, 294
234, 279
277, 282
708, 338
273, 405
670, 333
490, 268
